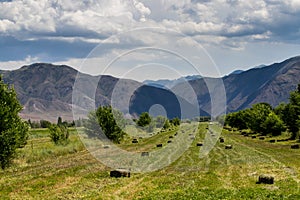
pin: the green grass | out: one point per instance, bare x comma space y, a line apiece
46, 171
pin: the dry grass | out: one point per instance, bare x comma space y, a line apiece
46, 171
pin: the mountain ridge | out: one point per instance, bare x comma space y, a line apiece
45, 90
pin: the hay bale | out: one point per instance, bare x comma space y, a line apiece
272, 141
145, 153
199, 144
266, 179
295, 146
261, 138
229, 146
117, 173
282, 140
135, 140
159, 145
221, 140
169, 141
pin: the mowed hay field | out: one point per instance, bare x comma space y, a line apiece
45, 171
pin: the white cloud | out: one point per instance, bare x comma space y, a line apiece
223, 24
100, 19
11, 65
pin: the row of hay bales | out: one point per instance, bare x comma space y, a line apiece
260, 137
169, 141
117, 173
263, 178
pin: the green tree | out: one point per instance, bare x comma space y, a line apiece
290, 114
104, 121
273, 124
144, 119
167, 124
175, 121
257, 116
160, 121
279, 110
59, 121
151, 126
45, 124
238, 119
59, 134
13, 131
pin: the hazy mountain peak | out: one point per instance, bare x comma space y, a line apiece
167, 83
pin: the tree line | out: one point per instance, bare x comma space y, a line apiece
106, 121
262, 118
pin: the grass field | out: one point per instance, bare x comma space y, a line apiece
45, 171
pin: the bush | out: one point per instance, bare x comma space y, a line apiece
59, 134
144, 119
45, 124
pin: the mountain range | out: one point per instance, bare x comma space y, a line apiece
46, 91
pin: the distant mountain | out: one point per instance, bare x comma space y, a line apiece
46, 90
271, 84
166, 83
260, 66
238, 71
175, 106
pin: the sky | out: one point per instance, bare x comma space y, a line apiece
149, 39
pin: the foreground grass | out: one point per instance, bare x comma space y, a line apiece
46, 171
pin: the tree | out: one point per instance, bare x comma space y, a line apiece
291, 113
59, 121
160, 121
13, 131
258, 115
103, 120
175, 121
167, 124
45, 124
273, 124
59, 134
238, 119
144, 119
151, 127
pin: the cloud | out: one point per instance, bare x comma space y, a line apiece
60, 30
11, 65
99, 19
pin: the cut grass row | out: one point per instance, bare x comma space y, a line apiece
223, 174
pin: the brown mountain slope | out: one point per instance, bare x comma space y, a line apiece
47, 91
271, 84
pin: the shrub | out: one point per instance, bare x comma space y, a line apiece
59, 134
